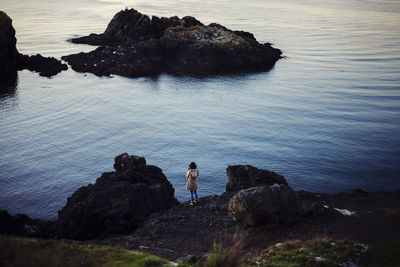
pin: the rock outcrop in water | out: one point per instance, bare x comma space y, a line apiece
11, 60
45, 66
134, 45
8, 50
118, 202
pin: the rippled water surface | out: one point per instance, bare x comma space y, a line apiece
327, 116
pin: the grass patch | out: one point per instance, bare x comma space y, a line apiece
226, 257
316, 252
320, 251
18, 251
384, 254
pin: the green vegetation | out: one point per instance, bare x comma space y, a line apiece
17, 251
317, 252
229, 257
384, 255
326, 252
220, 257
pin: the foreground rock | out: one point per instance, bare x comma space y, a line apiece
23, 225
11, 60
245, 176
134, 45
186, 230
118, 202
267, 204
183, 230
16, 225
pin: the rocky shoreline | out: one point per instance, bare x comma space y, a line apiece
134, 207
136, 45
12, 61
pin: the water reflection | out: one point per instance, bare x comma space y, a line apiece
8, 94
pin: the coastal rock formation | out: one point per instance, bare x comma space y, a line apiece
11, 60
136, 45
265, 204
19, 224
245, 176
45, 66
8, 50
118, 202
182, 229
23, 225
372, 217
265, 197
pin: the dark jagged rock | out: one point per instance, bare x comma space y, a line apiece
118, 202
182, 229
376, 217
134, 45
265, 204
19, 224
11, 60
8, 50
245, 176
265, 197
23, 225
46, 66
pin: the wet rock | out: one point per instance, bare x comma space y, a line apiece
245, 176
266, 204
135, 45
118, 202
45, 66
11, 60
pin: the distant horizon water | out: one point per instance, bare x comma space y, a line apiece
326, 117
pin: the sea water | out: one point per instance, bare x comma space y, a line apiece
327, 116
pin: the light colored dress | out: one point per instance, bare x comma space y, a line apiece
192, 183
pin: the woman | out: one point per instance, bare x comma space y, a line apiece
192, 184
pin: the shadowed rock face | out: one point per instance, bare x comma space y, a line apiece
265, 197
134, 45
265, 204
11, 60
15, 225
45, 66
21, 224
245, 176
8, 50
118, 202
